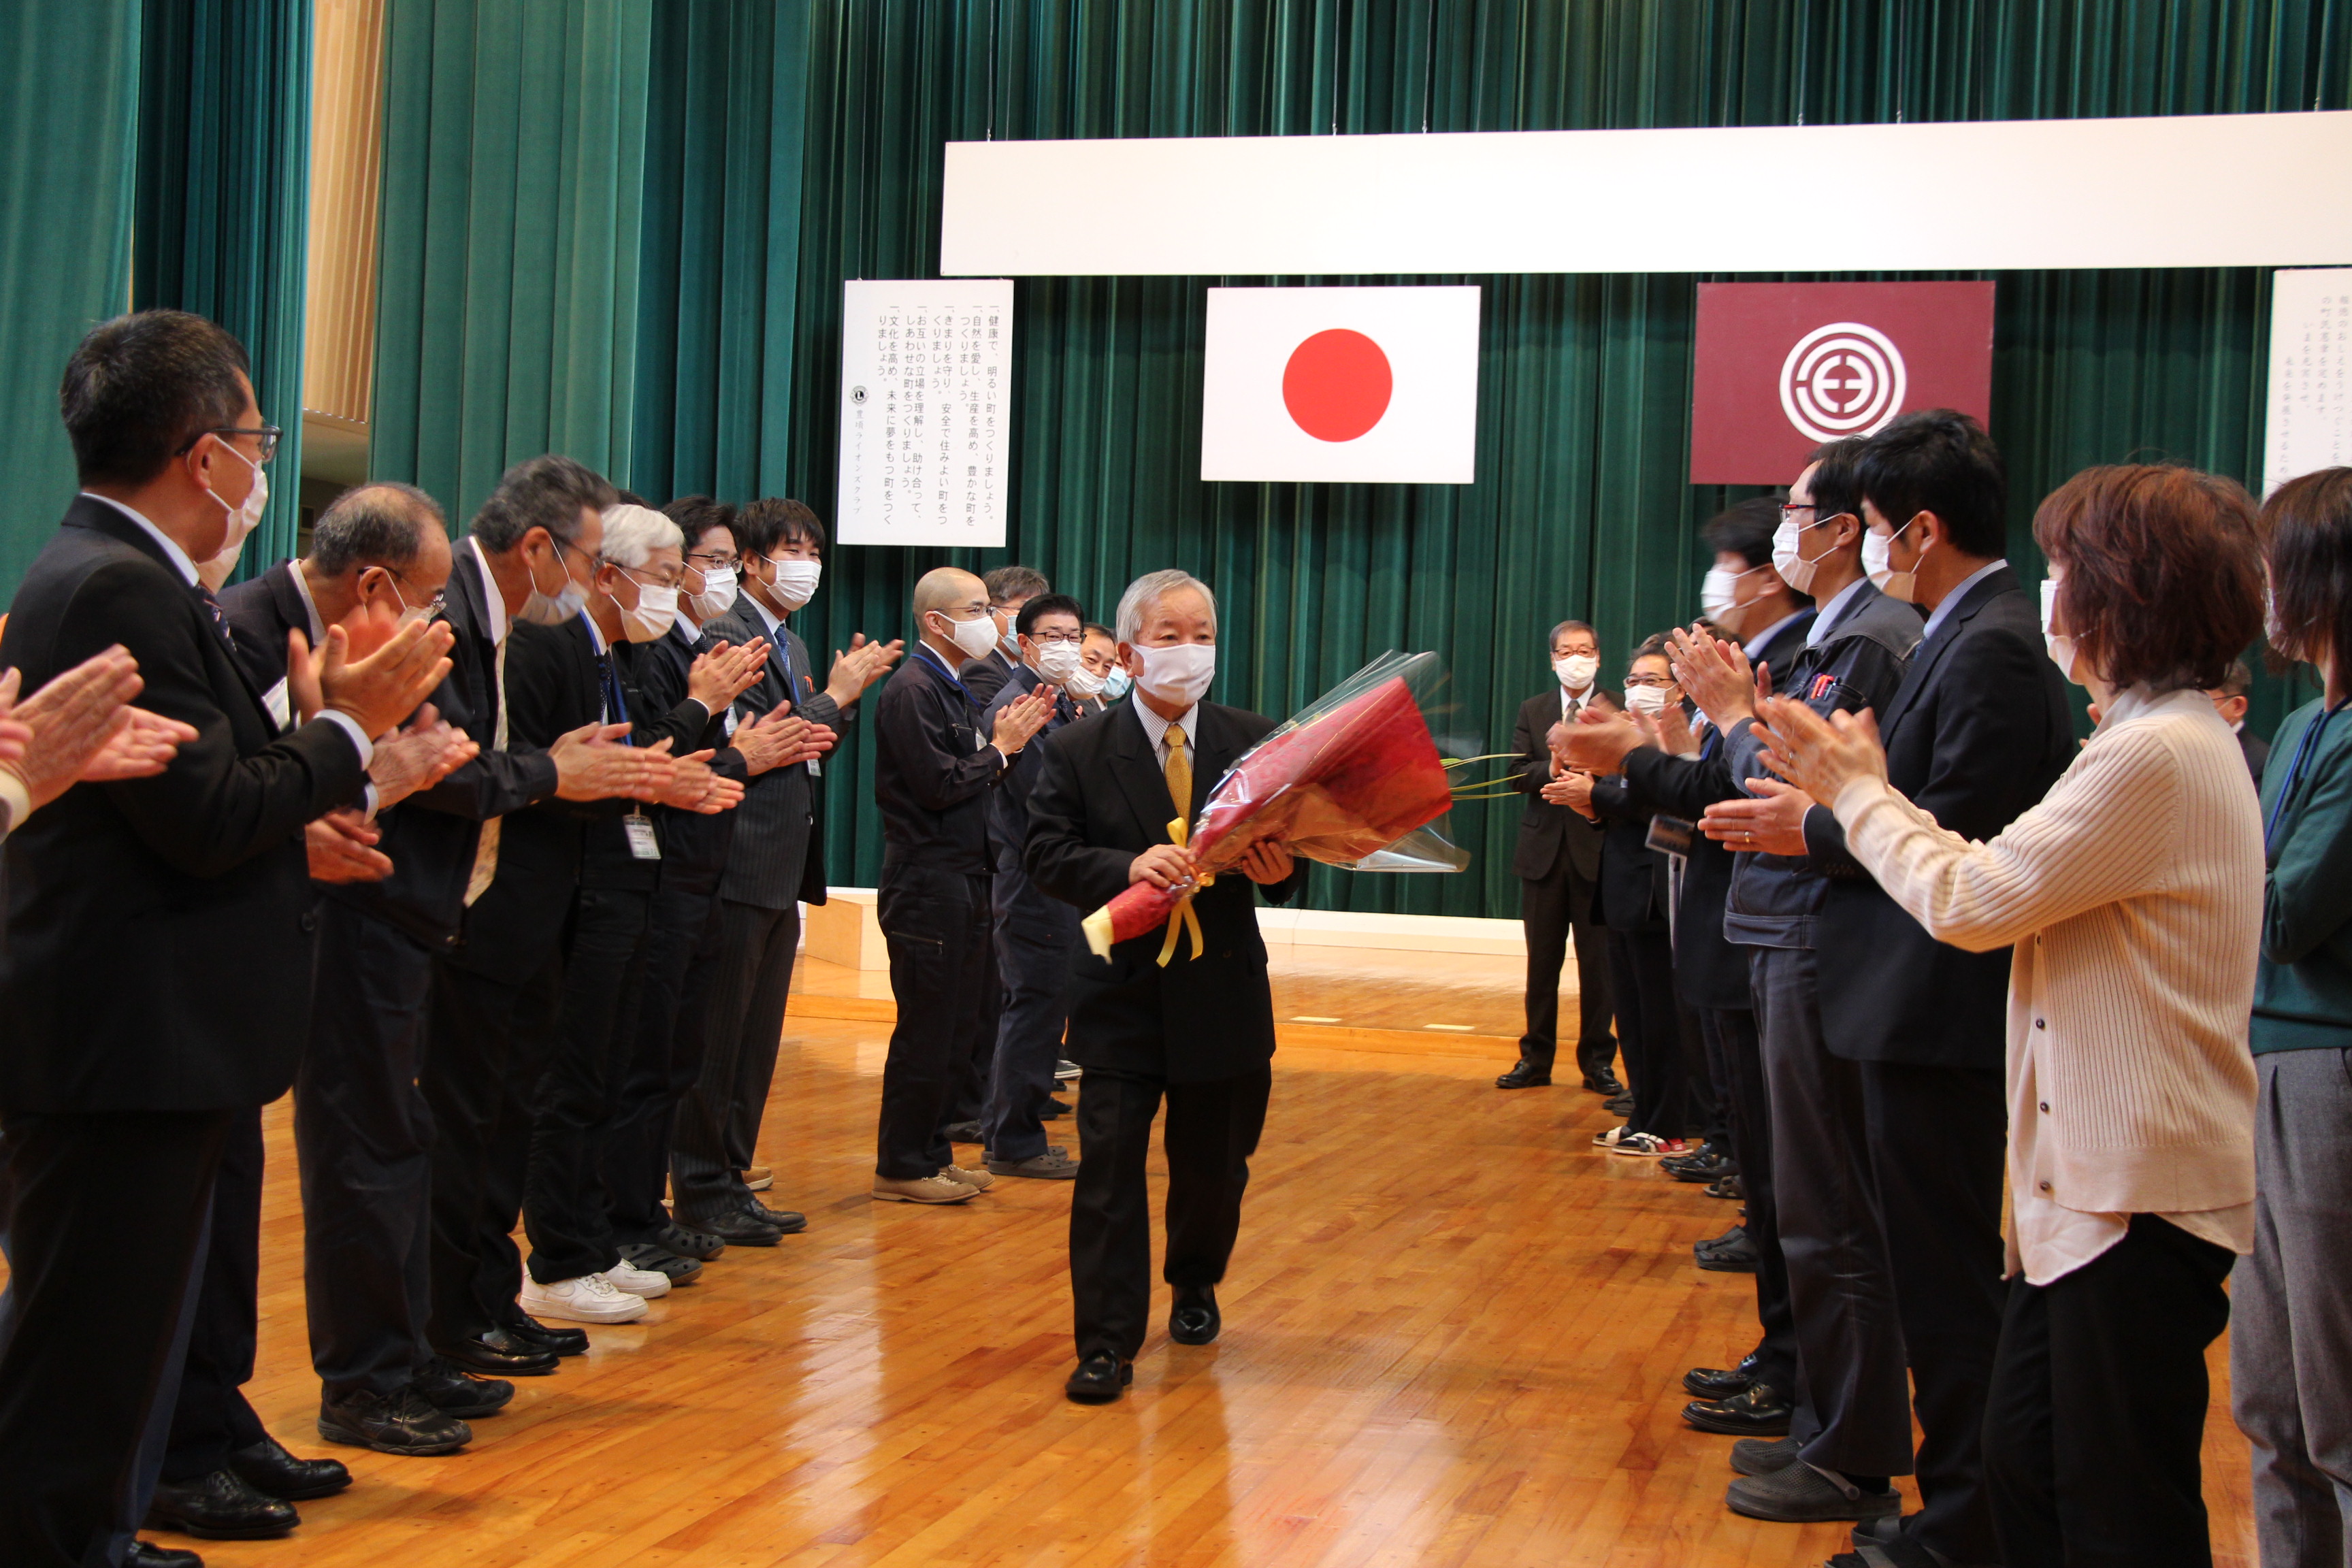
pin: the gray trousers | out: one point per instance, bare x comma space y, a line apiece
2291, 1316
1852, 1395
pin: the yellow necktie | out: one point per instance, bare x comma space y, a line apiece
486, 854
1180, 774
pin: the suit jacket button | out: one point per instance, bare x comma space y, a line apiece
1227, 954
309, 921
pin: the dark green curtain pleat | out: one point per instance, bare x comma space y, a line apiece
789, 147
69, 113
515, 139
223, 191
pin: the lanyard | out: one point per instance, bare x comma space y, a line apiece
2305, 750
936, 662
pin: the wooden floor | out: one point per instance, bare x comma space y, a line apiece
1452, 1335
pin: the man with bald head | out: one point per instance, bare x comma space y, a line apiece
934, 767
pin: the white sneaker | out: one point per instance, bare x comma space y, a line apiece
645, 1283
591, 1298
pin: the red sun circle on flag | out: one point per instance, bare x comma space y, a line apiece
1337, 384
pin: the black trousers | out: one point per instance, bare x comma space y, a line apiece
595, 1034
489, 1046
1937, 1136
1649, 1030
211, 1418
940, 929
72, 1423
2098, 1406
1555, 910
365, 1137
1213, 1130
970, 1100
744, 980
1035, 937
665, 1059
1731, 1034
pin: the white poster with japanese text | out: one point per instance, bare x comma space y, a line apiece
925, 379
2310, 424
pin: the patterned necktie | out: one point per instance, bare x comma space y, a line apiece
486, 854
1179, 773
220, 621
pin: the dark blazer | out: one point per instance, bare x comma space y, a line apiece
694, 846
261, 611
985, 677
605, 858
1548, 831
777, 855
1100, 800
431, 837
1008, 806
159, 929
1978, 732
2257, 752
1633, 892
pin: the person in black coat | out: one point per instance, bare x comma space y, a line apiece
1198, 1033
1009, 588
1557, 859
119, 1099
1978, 732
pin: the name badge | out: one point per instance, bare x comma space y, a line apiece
282, 708
815, 768
642, 842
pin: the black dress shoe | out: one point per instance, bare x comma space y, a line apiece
219, 1507
1721, 1383
1526, 1074
499, 1353
688, 1241
454, 1391
406, 1424
270, 1470
147, 1555
1053, 1108
1622, 1105
738, 1228
1760, 1411
1099, 1379
1603, 1083
547, 1336
788, 1222
964, 1133
1194, 1319
1730, 1253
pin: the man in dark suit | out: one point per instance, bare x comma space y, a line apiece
1036, 934
934, 766
1009, 588
1979, 731
775, 862
119, 1099
1557, 860
2230, 701
1198, 1033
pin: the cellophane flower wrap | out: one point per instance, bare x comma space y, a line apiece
1353, 779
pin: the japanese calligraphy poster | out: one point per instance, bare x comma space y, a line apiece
2310, 424
925, 379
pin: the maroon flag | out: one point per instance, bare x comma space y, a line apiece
1780, 368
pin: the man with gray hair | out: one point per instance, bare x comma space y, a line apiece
1112, 807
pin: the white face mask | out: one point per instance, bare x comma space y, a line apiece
1179, 674
1719, 592
1576, 671
1058, 662
244, 518
973, 638
796, 581
1084, 682
1794, 569
1650, 699
717, 596
1893, 584
2060, 644
545, 609
656, 613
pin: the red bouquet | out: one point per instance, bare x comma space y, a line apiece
1351, 780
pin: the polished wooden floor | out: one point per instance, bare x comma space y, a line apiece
1453, 1334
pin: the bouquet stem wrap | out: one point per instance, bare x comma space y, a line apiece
1347, 779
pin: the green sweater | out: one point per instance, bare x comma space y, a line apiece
2303, 990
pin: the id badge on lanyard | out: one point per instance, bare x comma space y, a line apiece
642, 844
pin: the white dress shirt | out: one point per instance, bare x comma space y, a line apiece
1155, 729
495, 602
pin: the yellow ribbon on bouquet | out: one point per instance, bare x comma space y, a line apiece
1181, 919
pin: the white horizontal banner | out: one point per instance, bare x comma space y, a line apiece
2225, 190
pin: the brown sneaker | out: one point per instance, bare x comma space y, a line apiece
758, 1178
978, 1180
921, 1190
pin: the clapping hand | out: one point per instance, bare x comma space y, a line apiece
694, 787
1772, 822
1821, 756
772, 740
1716, 676
725, 673
1598, 742
1020, 719
418, 757
80, 725
376, 692
341, 847
1573, 791
861, 666
595, 762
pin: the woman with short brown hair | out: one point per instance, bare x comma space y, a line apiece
2132, 896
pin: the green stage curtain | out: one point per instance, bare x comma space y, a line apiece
223, 201
507, 289
69, 96
1581, 505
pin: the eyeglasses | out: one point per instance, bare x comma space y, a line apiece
1074, 637
1659, 681
711, 559
267, 434
668, 580
431, 609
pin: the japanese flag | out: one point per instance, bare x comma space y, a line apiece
1349, 386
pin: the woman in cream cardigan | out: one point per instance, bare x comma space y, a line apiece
2132, 895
